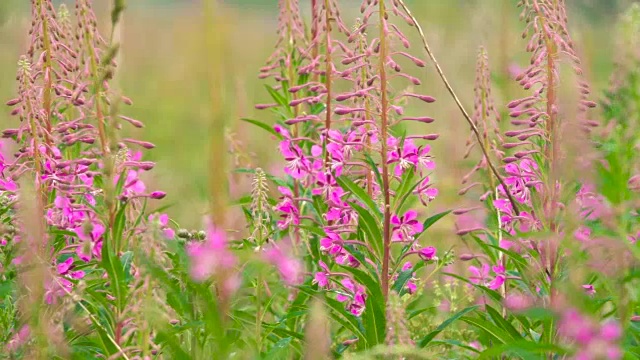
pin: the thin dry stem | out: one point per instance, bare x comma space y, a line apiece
474, 128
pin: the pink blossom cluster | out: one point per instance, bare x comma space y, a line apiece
593, 340
333, 134
63, 138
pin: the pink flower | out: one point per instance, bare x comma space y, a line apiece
328, 188
132, 184
297, 164
322, 277
64, 266
290, 268
162, 222
576, 327
406, 156
290, 213
19, 338
331, 244
589, 289
610, 331
355, 296
8, 185
212, 258
425, 192
427, 253
517, 302
481, 276
404, 227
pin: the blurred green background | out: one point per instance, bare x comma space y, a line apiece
164, 60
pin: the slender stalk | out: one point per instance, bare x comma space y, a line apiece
259, 314
94, 320
296, 111
102, 133
216, 95
40, 194
328, 69
464, 112
314, 33
550, 150
367, 108
384, 104
48, 72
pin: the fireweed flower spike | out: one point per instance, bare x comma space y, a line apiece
349, 141
408, 16
62, 103
213, 259
533, 170
291, 41
549, 43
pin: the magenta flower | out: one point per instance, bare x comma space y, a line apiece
346, 259
56, 288
212, 258
8, 185
133, 186
589, 289
427, 253
328, 188
411, 286
162, 222
337, 156
405, 226
355, 296
481, 276
517, 302
331, 244
19, 338
290, 214
322, 277
290, 268
297, 163
426, 192
520, 174
64, 266
593, 341
406, 156
424, 160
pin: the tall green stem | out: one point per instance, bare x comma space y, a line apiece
384, 123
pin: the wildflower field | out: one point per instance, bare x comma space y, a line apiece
320, 179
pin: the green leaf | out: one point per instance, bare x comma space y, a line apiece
340, 315
427, 339
117, 231
279, 349
405, 189
172, 344
348, 185
413, 313
371, 228
492, 293
374, 316
524, 349
496, 333
432, 220
126, 260
263, 126
403, 278
114, 268
502, 322
374, 166
455, 343
277, 97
